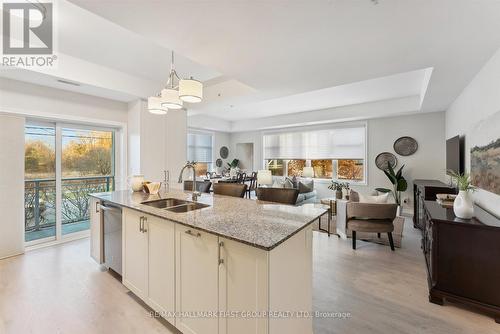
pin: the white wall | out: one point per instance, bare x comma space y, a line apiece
11, 185
45, 102
480, 99
428, 162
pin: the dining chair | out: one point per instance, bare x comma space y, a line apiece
201, 186
230, 189
241, 177
278, 195
253, 184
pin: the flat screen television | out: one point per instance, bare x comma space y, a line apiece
455, 154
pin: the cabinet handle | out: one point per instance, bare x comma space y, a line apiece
144, 220
197, 234
96, 207
140, 224
221, 261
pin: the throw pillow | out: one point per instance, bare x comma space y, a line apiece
354, 196
381, 199
288, 184
306, 186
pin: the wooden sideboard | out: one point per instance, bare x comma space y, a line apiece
426, 190
462, 257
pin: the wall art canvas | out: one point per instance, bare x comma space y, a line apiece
485, 154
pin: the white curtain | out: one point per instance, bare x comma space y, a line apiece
199, 147
335, 143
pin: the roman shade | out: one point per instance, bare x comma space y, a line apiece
199, 147
334, 143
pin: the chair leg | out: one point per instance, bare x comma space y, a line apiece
391, 242
353, 239
378, 235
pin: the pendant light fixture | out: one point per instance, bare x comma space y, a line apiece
155, 107
175, 92
190, 90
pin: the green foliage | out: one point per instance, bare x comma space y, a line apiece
234, 163
461, 180
335, 185
398, 182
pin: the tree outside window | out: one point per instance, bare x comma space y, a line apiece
295, 167
323, 169
350, 170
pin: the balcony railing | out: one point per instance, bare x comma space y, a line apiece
40, 200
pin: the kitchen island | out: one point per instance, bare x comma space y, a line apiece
231, 265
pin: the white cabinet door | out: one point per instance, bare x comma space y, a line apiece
197, 270
95, 231
161, 235
135, 254
243, 287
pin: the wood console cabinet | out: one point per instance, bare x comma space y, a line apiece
426, 190
462, 257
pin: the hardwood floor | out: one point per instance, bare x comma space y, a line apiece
61, 290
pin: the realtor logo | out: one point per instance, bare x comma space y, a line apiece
27, 28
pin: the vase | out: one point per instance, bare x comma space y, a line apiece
463, 206
338, 194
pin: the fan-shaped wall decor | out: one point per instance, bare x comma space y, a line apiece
385, 157
405, 146
224, 152
218, 162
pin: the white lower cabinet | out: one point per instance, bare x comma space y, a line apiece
149, 260
161, 264
243, 289
135, 253
216, 285
95, 230
197, 279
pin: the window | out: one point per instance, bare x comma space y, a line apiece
336, 153
199, 146
295, 167
323, 169
275, 166
350, 170
86, 166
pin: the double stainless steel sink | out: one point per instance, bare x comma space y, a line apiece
175, 205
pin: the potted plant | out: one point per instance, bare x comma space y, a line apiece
463, 204
337, 187
233, 167
399, 184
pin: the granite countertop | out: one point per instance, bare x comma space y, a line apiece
259, 224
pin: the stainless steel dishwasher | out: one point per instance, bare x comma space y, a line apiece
111, 222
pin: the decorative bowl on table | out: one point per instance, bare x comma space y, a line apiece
446, 197
151, 188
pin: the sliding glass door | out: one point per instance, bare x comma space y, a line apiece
64, 164
40, 182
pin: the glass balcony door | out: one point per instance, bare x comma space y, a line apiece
64, 164
40, 182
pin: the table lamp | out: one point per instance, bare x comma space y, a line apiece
308, 172
264, 177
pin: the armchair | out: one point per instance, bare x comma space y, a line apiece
370, 217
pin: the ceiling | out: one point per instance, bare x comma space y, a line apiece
267, 58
